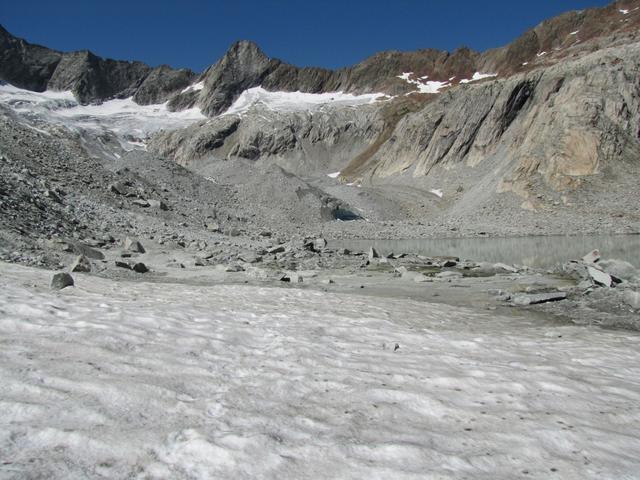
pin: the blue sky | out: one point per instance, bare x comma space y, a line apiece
330, 33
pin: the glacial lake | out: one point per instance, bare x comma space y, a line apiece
535, 251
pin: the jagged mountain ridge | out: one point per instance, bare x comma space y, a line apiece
94, 79
554, 133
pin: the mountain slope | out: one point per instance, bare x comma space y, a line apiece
245, 66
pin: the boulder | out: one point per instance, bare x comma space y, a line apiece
133, 245
81, 264
373, 253
213, 227
319, 244
600, 277
278, 249
591, 257
535, 298
140, 268
121, 264
618, 269
141, 203
61, 280
157, 204
82, 249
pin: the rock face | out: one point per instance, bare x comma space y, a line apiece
161, 83
89, 77
244, 66
556, 125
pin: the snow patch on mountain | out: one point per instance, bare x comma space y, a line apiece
478, 76
422, 85
297, 101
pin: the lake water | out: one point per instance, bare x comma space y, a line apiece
542, 251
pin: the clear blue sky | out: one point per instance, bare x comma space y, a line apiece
329, 33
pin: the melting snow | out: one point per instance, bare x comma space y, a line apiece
136, 380
437, 192
624, 12
541, 54
479, 76
333, 175
575, 33
297, 101
423, 87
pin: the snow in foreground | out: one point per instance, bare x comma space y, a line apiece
115, 380
297, 101
122, 116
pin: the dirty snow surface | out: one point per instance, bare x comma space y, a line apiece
139, 380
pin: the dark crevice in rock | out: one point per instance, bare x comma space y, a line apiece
516, 102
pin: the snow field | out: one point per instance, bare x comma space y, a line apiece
296, 101
116, 379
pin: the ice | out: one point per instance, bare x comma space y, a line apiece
333, 175
123, 117
297, 101
139, 380
479, 76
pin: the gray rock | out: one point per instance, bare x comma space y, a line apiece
140, 268
600, 277
618, 269
373, 253
81, 249
157, 204
61, 280
133, 245
536, 298
277, 249
591, 257
122, 264
81, 264
319, 244
213, 227
141, 203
